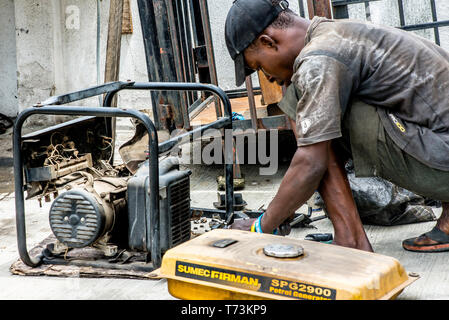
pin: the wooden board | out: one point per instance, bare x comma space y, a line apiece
127, 23
271, 91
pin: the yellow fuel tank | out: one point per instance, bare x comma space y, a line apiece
234, 264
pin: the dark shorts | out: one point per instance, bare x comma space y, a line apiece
375, 155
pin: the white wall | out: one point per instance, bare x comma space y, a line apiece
8, 64
385, 12
56, 46
35, 59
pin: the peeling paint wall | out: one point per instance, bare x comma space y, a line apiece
78, 51
8, 64
34, 41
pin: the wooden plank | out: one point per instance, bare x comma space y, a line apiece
127, 22
113, 48
321, 8
112, 67
271, 91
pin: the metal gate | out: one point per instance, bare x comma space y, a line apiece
340, 11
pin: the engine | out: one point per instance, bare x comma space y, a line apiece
86, 213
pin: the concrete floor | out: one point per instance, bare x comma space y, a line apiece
433, 284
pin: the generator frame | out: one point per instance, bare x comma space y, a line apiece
55, 106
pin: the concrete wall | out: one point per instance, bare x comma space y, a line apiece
8, 64
55, 43
35, 50
79, 43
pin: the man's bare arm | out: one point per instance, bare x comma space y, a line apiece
302, 179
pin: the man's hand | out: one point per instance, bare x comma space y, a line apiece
245, 224
242, 224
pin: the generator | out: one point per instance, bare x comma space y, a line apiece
102, 215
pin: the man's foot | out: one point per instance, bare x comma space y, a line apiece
433, 241
348, 242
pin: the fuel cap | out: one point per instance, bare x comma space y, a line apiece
283, 250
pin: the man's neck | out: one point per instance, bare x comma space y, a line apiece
299, 31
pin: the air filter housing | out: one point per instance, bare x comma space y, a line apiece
174, 206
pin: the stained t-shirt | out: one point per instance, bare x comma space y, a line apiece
405, 76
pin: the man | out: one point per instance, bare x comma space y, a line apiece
376, 94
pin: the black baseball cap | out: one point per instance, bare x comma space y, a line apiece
245, 21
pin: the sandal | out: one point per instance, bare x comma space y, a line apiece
441, 239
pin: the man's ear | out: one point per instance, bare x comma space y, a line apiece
267, 41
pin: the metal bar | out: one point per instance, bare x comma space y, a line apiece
337, 3
435, 19
84, 94
178, 86
240, 93
197, 26
188, 52
401, 13
173, 24
367, 11
301, 8
83, 111
168, 53
341, 12
428, 25
152, 54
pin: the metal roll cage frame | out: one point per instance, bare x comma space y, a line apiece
52, 106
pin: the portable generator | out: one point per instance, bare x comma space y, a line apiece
119, 217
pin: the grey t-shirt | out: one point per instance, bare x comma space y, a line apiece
405, 76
